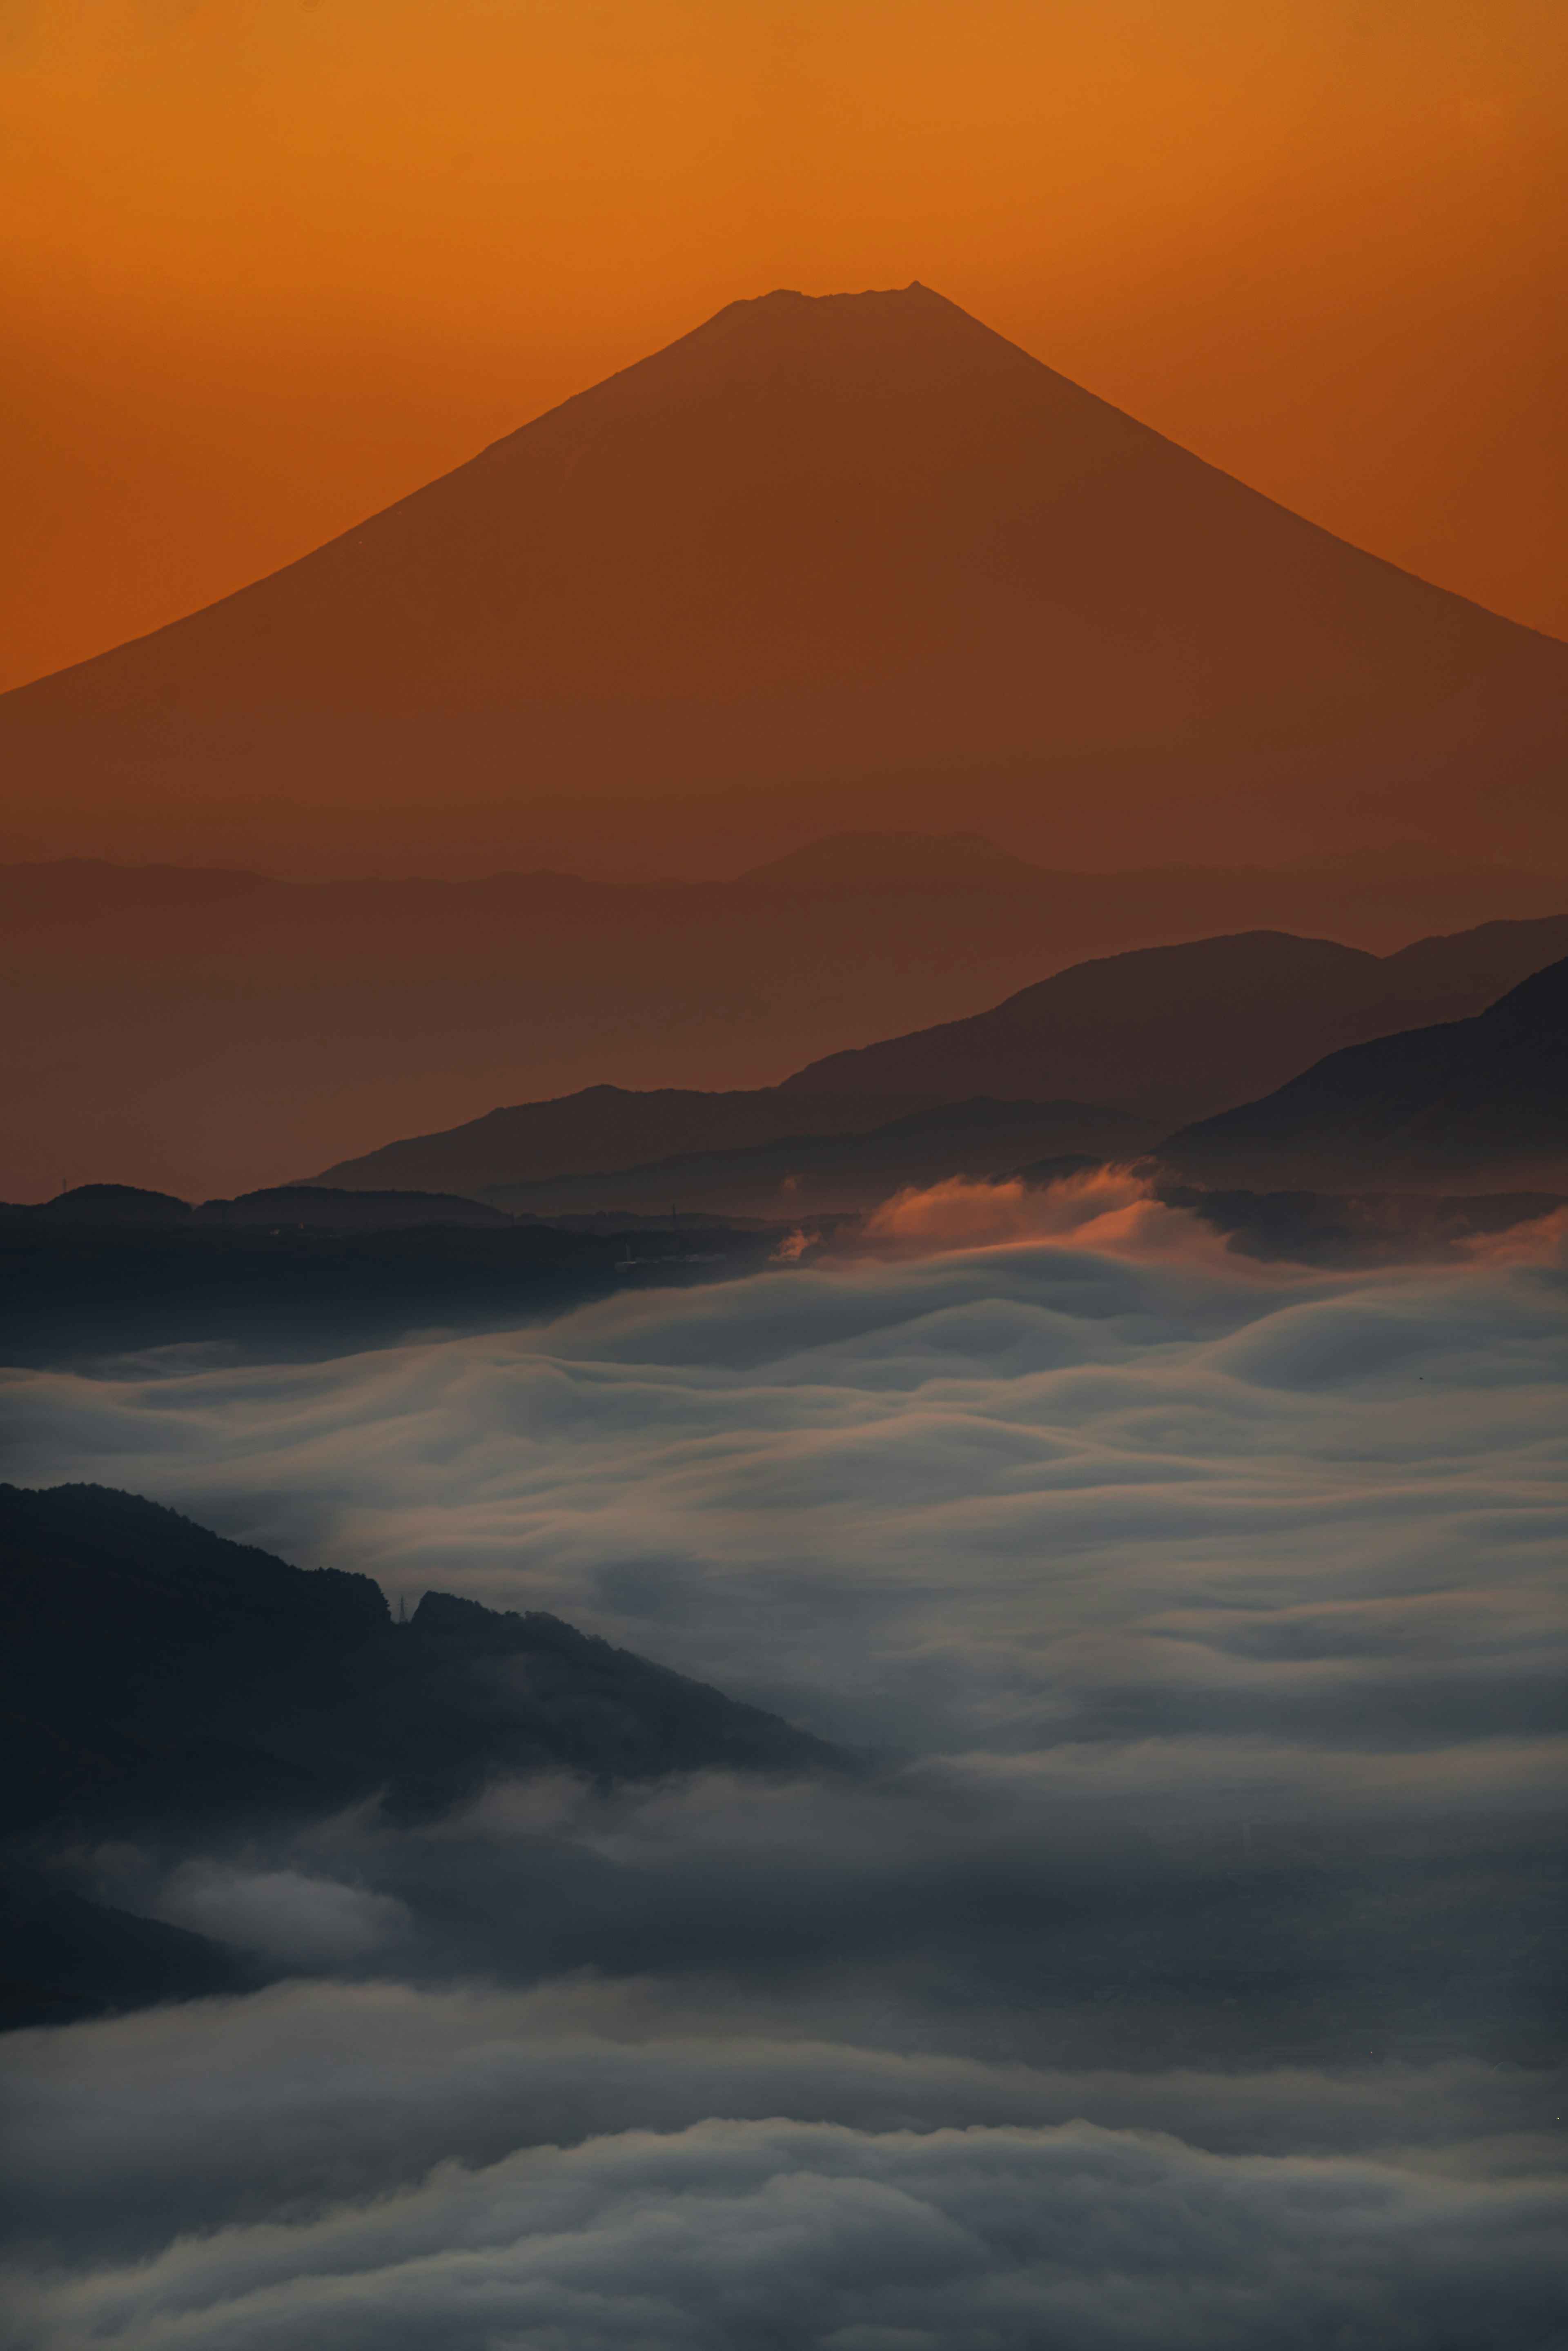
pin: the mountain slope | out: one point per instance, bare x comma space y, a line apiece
819, 558
1173, 1033
1479, 1103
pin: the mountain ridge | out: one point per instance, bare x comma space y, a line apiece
1194, 1018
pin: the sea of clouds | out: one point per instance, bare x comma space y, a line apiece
1175, 1969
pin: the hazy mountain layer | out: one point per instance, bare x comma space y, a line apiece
1160, 1033
205, 1032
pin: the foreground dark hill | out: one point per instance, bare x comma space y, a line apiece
1171, 1031
202, 1033
156, 1672
818, 560
163, 1685
1479, 1103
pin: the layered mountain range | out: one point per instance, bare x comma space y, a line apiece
1211, 1023
1100, 1061
819, 560
1108, 1059
205, 1032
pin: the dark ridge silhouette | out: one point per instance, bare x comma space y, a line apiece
205, 1032
154, 1672
100, 1203
820, 559
1178, 1031
825, 1174
1473, 1102
606, 1127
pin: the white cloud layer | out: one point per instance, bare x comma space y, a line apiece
1133, 1534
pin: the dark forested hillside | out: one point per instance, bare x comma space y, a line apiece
154, 1672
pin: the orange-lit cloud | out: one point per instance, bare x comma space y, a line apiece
1106, 1208
268, 268
1543, 1241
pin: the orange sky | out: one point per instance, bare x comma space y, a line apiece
266, 264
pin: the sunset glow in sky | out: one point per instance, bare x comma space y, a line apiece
268, 265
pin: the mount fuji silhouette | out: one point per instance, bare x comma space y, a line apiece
823, 562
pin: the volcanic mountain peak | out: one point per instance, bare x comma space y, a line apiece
824, 557
787, 326
786, 315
